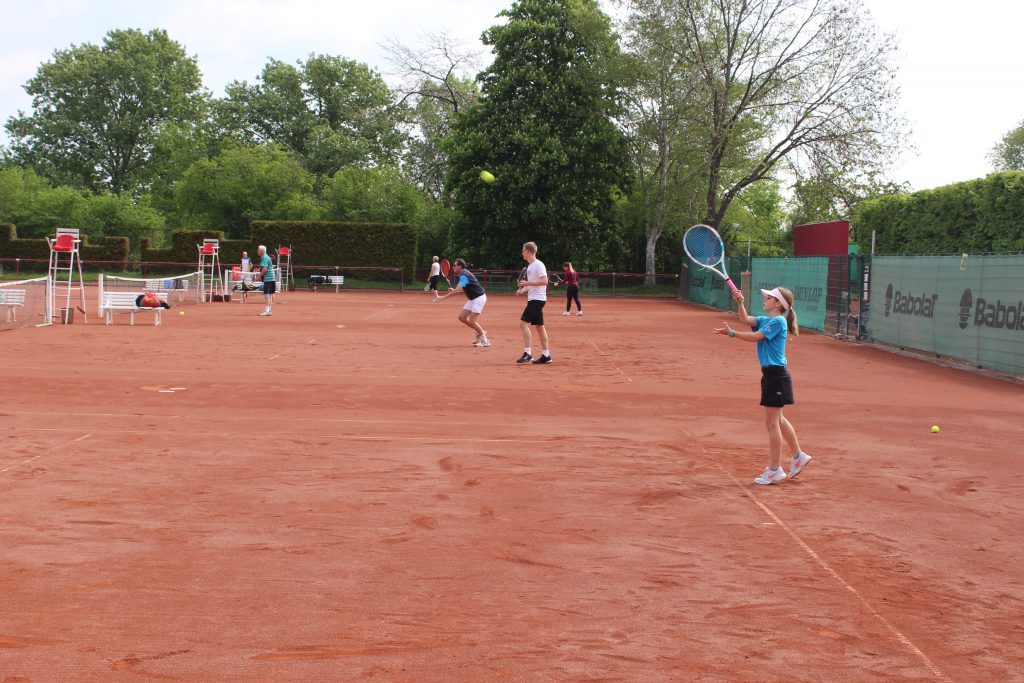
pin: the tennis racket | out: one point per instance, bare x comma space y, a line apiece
522, 276
445, 269
554, 279
704, 246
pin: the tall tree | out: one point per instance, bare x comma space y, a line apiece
1008, 154
243, 184
544, 128
664, 142
330, 111
98, 111
436, 84
794, 84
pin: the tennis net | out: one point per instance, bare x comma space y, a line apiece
180, 289
25, 303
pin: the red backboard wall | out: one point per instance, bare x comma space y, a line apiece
821, 239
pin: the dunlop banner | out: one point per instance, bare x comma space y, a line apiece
970, 307
806, 277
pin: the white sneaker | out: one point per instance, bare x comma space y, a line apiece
770, 477
566, 313
264, 313
483, 343
579, 312
798, 463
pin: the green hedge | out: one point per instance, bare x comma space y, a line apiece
109, 249
342, 244
313, 244
978, 216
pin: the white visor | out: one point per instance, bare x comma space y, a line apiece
777, 295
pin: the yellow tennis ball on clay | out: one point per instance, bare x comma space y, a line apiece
183, 313
935, 429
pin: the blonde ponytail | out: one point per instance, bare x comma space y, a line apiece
794, 329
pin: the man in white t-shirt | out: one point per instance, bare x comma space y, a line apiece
535, 286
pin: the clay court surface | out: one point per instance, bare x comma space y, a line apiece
348, 490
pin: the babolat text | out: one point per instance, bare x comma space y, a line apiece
999, 315
908, 304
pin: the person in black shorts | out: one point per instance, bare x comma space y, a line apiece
535, 286
770, 332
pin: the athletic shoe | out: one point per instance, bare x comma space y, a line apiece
799, 461
770, 477
543, 360
566, 313
264, 313
579, 312
525, 358
484, 343
476, 341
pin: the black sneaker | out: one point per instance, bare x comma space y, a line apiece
543, 360
525, 358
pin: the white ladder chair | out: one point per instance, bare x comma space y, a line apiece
65, 257
285, 274
209, 268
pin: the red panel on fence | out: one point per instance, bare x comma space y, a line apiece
821, 239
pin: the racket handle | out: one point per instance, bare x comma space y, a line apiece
728, 281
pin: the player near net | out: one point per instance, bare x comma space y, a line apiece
476, 299
769, 332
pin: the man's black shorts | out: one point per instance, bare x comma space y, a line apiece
534, 312
270, 287
776, 386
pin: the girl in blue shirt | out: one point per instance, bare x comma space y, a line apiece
770, 332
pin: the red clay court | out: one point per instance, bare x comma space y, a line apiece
348, 490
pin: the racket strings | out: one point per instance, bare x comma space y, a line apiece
704, 246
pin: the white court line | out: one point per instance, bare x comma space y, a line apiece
906, 642
290, 348
609, 359
232, 418
48, 450
292, 435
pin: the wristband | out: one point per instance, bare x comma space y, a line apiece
732, 333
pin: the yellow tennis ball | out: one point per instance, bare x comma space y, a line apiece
486, 176
935, 428
181, 312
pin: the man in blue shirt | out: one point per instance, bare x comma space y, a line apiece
474, 291
266, 270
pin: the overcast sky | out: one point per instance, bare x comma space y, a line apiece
961, 66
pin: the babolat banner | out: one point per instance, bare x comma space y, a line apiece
969, 307
709, 289
806, 277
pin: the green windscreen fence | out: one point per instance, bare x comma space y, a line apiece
709, 289
969, 307
806, 277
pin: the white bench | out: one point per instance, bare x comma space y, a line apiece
125, 301
12, 299
336, 280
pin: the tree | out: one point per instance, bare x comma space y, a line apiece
34, 205
243, 184
833, 196
545, 129
436, 85
1008, 154
378, 195
662, 137
794, 84
98, 111
329, 111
